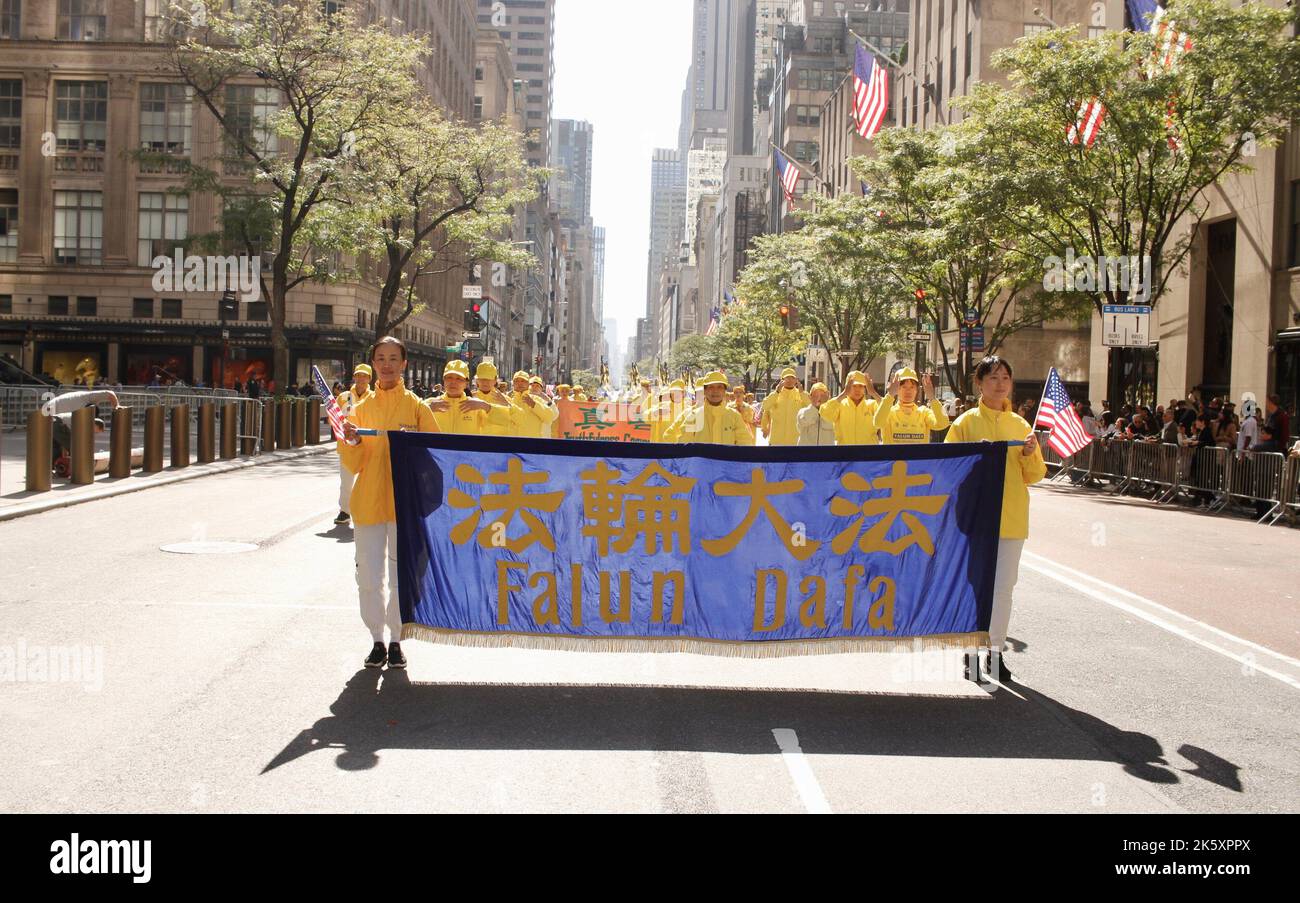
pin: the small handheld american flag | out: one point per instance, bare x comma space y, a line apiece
1068, 437
332, 409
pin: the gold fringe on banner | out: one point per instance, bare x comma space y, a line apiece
722, 648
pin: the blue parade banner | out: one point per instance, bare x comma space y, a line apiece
735, 551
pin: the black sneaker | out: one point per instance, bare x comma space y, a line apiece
377, 658
343, 518
395, 657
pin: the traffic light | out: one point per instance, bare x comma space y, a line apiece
229, 306
920, 294
785, 315
474, 317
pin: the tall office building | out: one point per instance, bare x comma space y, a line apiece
528, 28
571, 159
667, 222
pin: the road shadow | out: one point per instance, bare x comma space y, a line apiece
377, 712
341, 534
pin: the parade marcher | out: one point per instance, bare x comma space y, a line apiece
664, 416
714, 421
907, 423
457, 413
780, 411
853, 414
813, 428
485, 385
740, 407
348, 401
995, 421
531, 417
390, 408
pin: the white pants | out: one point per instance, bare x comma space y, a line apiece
346, 481
376, 552
1008, 573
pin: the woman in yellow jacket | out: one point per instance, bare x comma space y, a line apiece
389, 407
852, 413
993, 420
780, 410
907, 423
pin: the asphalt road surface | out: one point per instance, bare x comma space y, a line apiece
1155, 653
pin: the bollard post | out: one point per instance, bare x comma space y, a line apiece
228, 430
268, 426
81, 457
313, 420
153, 439
284, 424
299, 422
250, 431
119, 444
207, 450
40, 451
180, 443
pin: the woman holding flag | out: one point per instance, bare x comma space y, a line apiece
390, 408
993, 420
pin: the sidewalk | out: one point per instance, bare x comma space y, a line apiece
16, 501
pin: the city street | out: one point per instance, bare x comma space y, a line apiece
1155, 653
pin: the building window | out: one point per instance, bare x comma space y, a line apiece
171, 309
9, 22
1295, 224
164, 225
82, 20
142, 308
1035, 28
6, 304
78, 227
165, 114
808, 116
250, 110
325, 314
81, 116
969, 41
57, 305
478, 107
87, 307
11, 123
257, 310
8, 225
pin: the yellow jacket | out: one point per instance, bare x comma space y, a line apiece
348, 399
855, 424
493, 428
781, 415
719, 425
983, 424
746, 413
472, 423
393, 410
908, 424
663, 418
534, 422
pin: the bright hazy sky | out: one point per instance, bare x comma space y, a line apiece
623, 71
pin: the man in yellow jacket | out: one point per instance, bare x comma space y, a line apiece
853, 414
664, 415
457, 413
530, 416
714, 421
485, 384
994, 420
389, 408
348, 401
907, 423
780, 411
739, 405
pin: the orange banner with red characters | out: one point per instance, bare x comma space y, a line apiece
609, 421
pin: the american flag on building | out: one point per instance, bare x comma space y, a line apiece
332, 409
870, 93
788, 174
715, 318
1087, 124
1056, 413
1171, 43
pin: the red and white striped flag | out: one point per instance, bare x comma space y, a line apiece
332, 409
1057, 414
1171, 43
870, 93
1087, 123
788, 175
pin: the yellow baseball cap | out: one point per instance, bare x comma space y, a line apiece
908, 373
486, 371
821, 386
364, 370
677, 384
456, 368
713, 378
857, 376
520, 375
565, 386
535, 379
789, 371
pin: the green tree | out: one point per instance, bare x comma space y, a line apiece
293, 90
693, 353
751, 342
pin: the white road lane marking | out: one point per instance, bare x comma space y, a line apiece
810, 792
1166, 625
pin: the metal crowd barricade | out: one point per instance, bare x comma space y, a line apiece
1256, 477
1110, 461
18, 402
1155, 465
1204, 473
1290, 495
